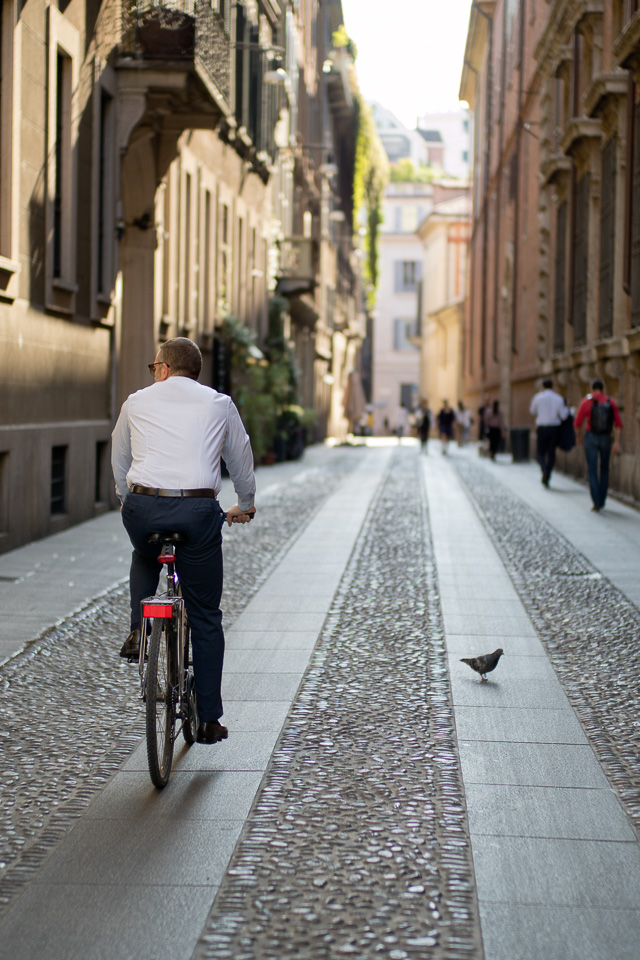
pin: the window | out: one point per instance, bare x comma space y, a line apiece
10, 35
407, 275
4, 490
224, 259
408, 395
409, 219
62, 127
58, 480
559, 297
187, 271
607, 238
105, 188
207, 265
402, 331
580, 265
577, 75
63, 157
465, 156
253, 273
239, 305
634, 224
100, 494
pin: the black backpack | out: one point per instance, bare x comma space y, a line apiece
601, 417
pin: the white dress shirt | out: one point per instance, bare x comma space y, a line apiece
549, 408
172, 434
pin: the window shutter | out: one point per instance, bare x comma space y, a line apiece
397, 334
398, 282
580, 260
635, 227
255, 98
559, 299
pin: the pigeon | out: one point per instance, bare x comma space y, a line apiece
485, 664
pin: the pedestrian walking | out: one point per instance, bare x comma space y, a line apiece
401, 421
494, 423
483, 410
549, 409
166, 449
463, 423
424, 424
601, 418
446, 420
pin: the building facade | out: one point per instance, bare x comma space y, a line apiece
396, 358
399, 142
448, 136
554, 284
162, 166
501, 82
445, 238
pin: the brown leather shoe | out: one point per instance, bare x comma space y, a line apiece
210, 731
131, 647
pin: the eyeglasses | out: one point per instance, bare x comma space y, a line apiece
158, 363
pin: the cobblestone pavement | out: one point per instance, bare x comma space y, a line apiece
357, 843
71, 714
590, 629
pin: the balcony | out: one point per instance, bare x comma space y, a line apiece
554, 167
297, 273
626, 49
338, 85
603, 88
180, 37
578, 131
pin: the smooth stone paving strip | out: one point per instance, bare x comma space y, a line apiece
71, 714
590, 629
552, 846
357, 843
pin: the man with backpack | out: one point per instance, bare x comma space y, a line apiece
601, 417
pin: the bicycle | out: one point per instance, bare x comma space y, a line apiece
167, 686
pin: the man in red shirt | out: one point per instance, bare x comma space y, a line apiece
601, 417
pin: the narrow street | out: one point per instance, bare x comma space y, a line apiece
374, 799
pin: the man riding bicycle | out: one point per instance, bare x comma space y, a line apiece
166, 450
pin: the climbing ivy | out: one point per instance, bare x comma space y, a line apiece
371, 175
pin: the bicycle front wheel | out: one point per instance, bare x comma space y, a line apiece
190, 711
160, 697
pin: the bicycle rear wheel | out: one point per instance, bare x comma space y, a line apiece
160, 700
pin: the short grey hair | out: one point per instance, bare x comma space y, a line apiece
182, 356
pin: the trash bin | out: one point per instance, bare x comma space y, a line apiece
519, 444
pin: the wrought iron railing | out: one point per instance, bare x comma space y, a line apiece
178, 30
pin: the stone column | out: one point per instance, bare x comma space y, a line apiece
137, 263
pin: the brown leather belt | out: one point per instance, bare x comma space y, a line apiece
157, 492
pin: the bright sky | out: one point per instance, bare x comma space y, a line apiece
410, 53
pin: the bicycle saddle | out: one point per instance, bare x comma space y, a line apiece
167, 538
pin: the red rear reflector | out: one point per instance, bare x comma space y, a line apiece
157, 610
167, 558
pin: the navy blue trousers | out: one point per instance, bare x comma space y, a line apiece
547, 441
597, 449
199, 566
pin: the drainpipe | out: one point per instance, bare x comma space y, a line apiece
467, 337
497, 298
516, 213
485, 190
